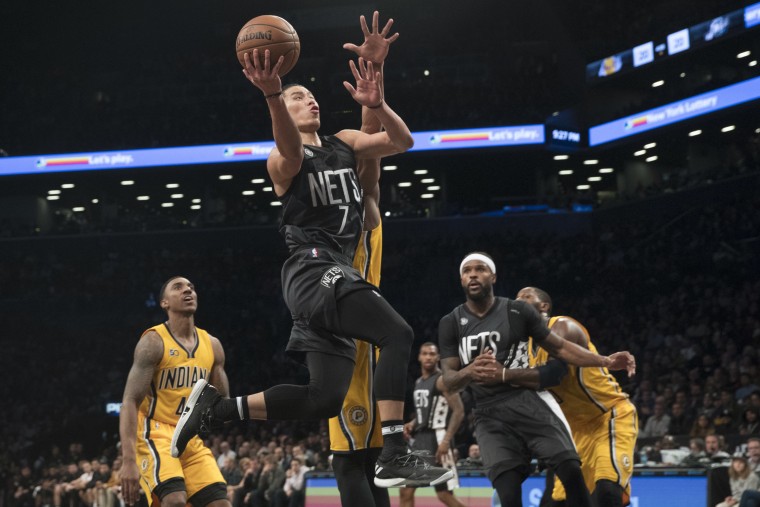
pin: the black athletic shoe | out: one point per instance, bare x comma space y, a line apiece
197, 418
409, 470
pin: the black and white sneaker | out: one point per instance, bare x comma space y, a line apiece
409, 470
197, 418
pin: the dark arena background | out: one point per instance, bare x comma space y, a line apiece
605, 151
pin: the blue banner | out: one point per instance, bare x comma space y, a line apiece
476, 491
519, 135
674, 112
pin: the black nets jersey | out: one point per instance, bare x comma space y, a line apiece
505, 329
430, 404
324, 206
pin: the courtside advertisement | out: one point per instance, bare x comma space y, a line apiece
647, 491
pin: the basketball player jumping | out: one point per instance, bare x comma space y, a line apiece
602, 418
483, 338
169, 359
315, 178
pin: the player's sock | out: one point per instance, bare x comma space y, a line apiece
393, 439
232, 409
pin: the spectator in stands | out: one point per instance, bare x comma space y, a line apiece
97, 489
694, 399
231, 471
697, 455
294, 487
702, 426
714, 448
723, 412
23, 485
225, 453
658, 423
746, 387
237, 492
753, 453
271, 480
111, 496
680, 424
65, 494
750, 423
473, 458
741, 479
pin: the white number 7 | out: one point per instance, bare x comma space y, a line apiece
345, 217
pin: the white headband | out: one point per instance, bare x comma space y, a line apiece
477, 257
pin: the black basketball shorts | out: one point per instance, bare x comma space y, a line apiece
313, 280
522, 425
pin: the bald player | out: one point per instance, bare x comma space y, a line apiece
603, 421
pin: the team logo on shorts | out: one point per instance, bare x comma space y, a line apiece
144, 464
357, 415
463, 321
331, 276
626, 461
308, 152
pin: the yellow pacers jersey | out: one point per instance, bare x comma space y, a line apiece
603, 421
584, 393
176, 374
358, 425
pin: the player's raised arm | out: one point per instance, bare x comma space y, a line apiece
285, 159
376, 43
396, 138
374, 49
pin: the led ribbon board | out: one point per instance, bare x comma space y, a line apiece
246, 152
675, 112
686, 39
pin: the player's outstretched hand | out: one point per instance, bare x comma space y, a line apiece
622, 361
263, 75
367, 91
376, 44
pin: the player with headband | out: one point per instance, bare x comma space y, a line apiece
479, 341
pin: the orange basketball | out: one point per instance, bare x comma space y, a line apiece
272, 33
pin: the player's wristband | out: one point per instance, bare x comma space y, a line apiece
267, 97
503, 375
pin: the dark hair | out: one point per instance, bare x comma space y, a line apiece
165, 285
290, 85
429, 344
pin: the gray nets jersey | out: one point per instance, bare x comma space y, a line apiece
505, 329
430, 404
323, 205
